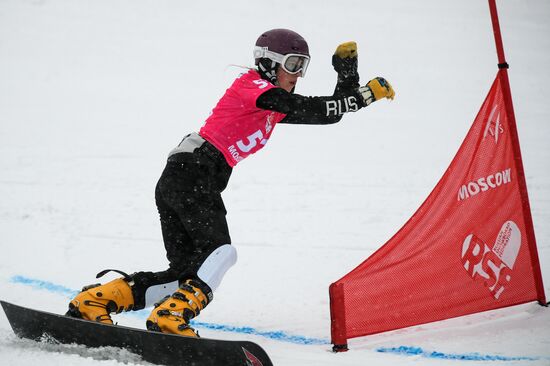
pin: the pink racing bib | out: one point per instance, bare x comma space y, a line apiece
236, 126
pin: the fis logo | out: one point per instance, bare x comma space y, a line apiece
494, 127
492, 266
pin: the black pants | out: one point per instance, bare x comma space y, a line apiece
192, 215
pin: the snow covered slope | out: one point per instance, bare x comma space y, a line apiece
94, 94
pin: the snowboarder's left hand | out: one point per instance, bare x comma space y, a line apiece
376, 89
344, 62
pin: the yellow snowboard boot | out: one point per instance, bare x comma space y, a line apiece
173, 314
96, 302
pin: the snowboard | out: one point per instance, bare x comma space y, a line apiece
154, 347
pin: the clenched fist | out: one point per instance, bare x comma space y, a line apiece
376, 89
344, 62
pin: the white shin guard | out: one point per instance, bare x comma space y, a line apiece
211, 272
216, 265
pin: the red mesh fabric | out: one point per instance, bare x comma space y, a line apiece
464, 251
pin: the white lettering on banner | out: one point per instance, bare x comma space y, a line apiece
335, 107
484, 184
492, 267
507, 244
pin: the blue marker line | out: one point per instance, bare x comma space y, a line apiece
277, 335
281, 335
417, 351
45, 285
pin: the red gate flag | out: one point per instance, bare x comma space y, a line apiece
470, 247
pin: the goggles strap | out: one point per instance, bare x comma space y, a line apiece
270, 71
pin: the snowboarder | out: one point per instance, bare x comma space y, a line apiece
188, 193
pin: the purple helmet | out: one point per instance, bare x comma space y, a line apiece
281, 47
283, 41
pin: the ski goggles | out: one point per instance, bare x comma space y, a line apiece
292, 63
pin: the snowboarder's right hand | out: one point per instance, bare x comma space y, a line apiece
376, 89
344, 62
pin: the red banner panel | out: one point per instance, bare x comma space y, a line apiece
464, 251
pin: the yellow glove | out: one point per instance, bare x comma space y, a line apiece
344, 62
346, 49
376, 89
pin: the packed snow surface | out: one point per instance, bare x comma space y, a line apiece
94, 94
